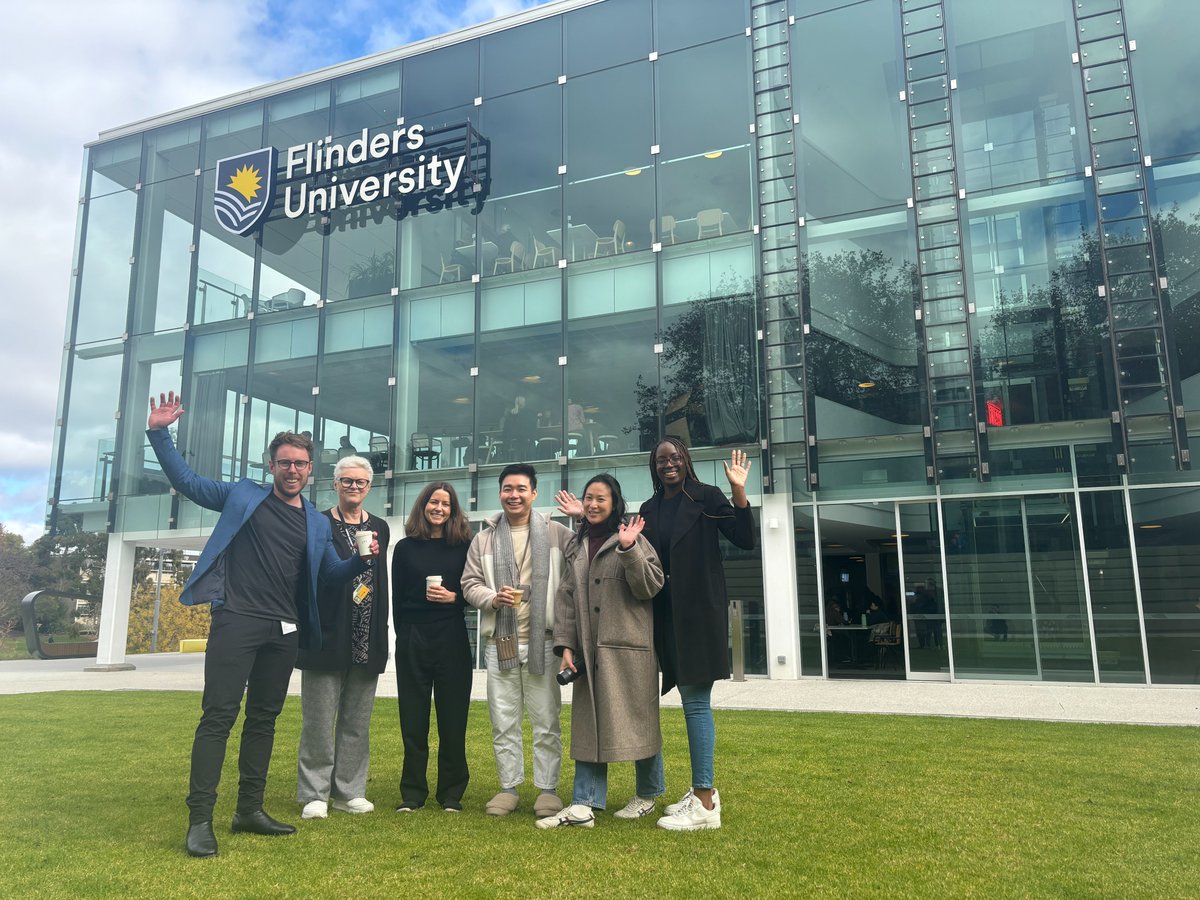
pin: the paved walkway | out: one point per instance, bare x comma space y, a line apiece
998, 700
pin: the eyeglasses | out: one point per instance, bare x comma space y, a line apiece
674, 459
298, 464
359, 483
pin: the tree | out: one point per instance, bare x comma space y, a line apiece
16, 579
175, 621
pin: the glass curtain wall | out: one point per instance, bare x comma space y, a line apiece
1165, 527
858, 262
1032, 256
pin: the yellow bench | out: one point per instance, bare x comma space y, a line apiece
193, 645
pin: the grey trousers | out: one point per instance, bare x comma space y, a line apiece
335, 737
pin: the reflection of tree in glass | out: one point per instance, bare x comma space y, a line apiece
709, 393
864, 332
1180, 240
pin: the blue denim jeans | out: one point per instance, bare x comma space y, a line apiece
591, 781
702, 735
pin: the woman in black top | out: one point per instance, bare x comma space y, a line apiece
433, 653
691, 613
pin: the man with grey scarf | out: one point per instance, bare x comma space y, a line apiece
513, 570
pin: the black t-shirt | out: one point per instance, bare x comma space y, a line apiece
412, 561
265, 560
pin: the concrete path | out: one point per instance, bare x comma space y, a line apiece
998, 700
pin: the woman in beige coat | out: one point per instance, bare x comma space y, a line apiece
604, 631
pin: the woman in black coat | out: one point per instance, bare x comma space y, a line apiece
337, 682
691, 613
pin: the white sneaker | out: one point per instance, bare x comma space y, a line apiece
673, 808
575, 814
315, 809
635, 809
693, 816
356, 806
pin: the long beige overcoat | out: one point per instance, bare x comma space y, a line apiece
603, 612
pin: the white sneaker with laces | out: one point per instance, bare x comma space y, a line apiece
576, 814
315, 809
356, 806
672, 808
693, 816
635, 809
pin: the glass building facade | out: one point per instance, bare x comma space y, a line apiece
934, 263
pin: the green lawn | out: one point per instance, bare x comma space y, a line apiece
814, 805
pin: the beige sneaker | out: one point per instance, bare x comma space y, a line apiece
502, 804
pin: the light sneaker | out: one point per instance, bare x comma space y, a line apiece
356, 806
673, 808
315, 809
693, 816
635, 809
576, 814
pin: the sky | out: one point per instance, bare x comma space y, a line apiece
74, 68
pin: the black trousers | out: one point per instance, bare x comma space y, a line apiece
434, 657
245, 656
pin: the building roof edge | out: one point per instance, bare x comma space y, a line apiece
491, 26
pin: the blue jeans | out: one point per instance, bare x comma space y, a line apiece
702, 735
591, 781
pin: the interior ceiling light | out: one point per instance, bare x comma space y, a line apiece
715, 154
532, 379
1150, 526
866, 385
461, 401
633, 171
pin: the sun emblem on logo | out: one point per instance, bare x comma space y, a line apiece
246, 181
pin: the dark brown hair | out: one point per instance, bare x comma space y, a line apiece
457, 529
292, 440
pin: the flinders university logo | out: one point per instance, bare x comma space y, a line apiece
245, 189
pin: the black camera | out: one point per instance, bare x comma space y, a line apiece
566, 676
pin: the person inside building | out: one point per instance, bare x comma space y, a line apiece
338, 680
513, 570
518, 429
433, 651
684, 519
260, 571
604, 632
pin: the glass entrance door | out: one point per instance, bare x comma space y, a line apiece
927, 641
862, 606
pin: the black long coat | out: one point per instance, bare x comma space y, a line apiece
335, 604
695, 588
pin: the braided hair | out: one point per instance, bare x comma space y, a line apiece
689, 471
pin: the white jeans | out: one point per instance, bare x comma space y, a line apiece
509, 691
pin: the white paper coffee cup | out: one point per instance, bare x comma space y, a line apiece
431, 580
363, 540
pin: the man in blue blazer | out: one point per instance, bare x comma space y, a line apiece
259, 571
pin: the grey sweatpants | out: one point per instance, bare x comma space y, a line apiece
335, 737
